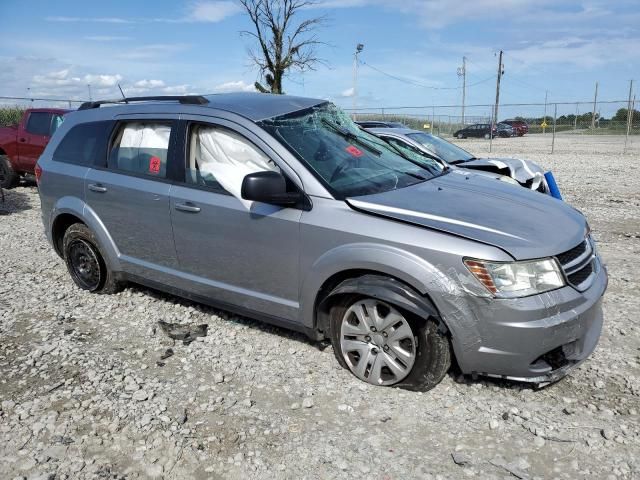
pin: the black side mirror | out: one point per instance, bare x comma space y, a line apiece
268, 187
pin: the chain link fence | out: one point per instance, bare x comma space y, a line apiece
558, 123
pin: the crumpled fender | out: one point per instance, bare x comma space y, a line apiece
387, 289
522, 171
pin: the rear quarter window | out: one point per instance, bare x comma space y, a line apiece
84, 144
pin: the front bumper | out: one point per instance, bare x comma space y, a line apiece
533, 339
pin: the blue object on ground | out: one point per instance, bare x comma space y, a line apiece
553, 186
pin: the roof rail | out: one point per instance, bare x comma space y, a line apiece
184, 99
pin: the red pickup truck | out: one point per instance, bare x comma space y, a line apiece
22, 144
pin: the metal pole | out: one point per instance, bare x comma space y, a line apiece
555, 116
495, 111
593, 114
355, 84
575, 120
89, 87
464, 85
629, 116
544, 118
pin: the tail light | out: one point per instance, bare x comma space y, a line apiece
38, 172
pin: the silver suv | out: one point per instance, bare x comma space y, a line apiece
282, 209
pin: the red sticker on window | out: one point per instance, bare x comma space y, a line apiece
154, 165
356, 152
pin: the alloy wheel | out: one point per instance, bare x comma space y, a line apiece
377, 342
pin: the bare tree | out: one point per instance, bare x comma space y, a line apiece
283, 43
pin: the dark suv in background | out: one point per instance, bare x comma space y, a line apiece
478, 130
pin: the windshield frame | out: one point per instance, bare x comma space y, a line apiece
367, 140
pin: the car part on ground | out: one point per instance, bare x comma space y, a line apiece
288, 212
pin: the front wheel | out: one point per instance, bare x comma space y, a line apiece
487, 136
460, 136
382, 345
8, 176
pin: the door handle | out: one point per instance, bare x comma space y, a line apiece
187, 207
23, 140
96, 187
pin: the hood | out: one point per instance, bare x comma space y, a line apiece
522, 171
523, 223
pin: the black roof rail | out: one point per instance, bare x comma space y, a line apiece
184, 99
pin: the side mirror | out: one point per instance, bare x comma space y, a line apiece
268, 187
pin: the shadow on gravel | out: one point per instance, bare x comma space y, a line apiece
13, 201
229, 316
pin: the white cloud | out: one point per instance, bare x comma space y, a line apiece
105, 38
149, 84
201, 11
89, 19
237, 86
349, 92
212, 11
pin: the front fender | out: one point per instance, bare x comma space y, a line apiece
407, 267
76, 207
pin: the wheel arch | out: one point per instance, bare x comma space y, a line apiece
70, 210
376, 285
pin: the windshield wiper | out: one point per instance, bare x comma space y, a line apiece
344, 133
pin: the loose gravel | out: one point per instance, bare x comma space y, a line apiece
92, 387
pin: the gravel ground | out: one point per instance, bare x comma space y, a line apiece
85, 393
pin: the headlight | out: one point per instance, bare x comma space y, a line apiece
517, 279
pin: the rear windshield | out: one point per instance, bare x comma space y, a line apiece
347, 160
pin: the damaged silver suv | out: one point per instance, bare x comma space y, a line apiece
282, 209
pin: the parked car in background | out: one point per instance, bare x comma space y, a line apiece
380, 124
520, 126
22, 144
526, 173
281, 208
505, 130
478, 130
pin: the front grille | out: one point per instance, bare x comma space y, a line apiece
571, 255
581, 275
578, 265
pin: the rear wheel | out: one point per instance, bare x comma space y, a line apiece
85, 263
8, 176
382, 345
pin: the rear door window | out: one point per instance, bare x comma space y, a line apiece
85, 144
39, 123
141, 148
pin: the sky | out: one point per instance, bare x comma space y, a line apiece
412, 50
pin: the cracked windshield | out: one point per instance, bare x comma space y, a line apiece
349, 161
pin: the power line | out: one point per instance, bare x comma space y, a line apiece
418, 84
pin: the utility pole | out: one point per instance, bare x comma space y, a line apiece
544, 119
495, 111
462, 72
630, 107
359, 49
593, 114
89, 88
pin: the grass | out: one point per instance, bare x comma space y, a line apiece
10, 115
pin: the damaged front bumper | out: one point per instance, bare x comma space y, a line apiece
535, 339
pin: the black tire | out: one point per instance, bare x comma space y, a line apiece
85, 262
460, 136
9, 178
487, 136
433, 356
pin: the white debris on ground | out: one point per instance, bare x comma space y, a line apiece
91, 386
